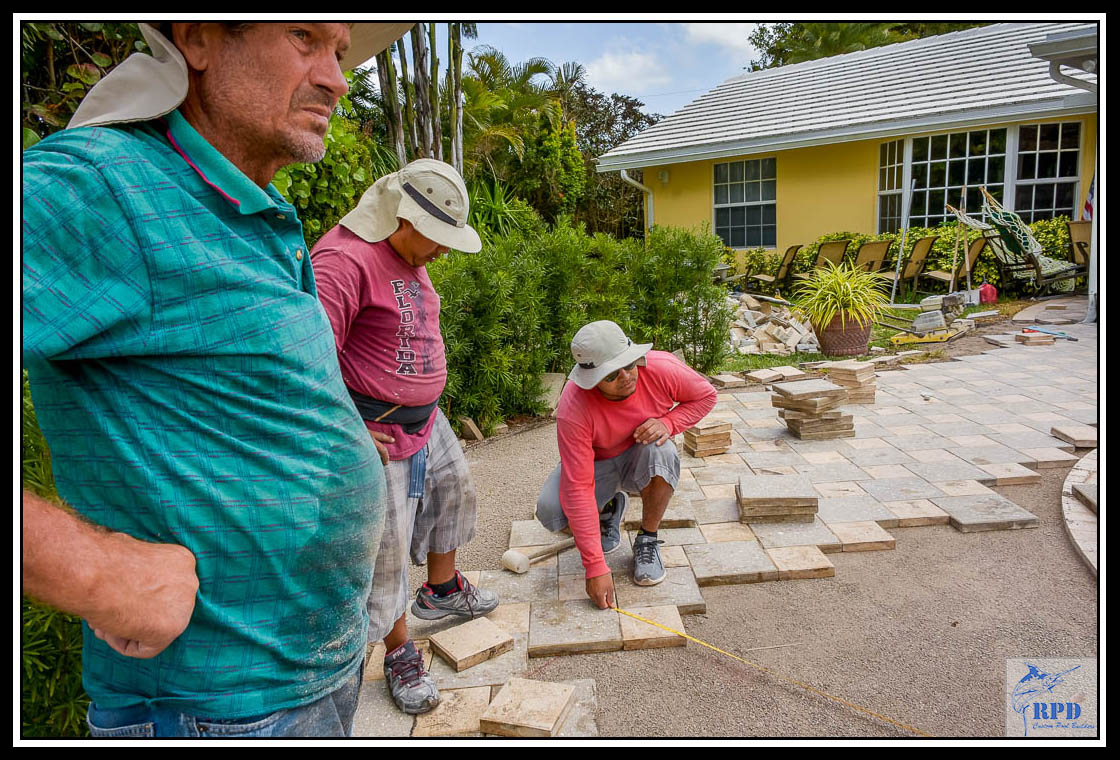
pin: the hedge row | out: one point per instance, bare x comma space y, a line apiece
510, 311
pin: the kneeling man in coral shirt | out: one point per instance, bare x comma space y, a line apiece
624, 402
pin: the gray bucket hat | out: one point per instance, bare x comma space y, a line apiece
599, 349
146, 86
428, 193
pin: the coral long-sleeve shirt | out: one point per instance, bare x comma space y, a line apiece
590, 427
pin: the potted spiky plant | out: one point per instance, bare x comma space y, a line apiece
841, 302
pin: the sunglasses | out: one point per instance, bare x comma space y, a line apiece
614, 375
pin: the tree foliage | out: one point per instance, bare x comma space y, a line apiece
787, 43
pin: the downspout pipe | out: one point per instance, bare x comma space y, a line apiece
1057, 75
649, 197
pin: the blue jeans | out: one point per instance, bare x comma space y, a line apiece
333, 715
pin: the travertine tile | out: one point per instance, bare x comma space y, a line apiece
496, 670
538, 583
457, 714
532, 533
470, 643
885, 471
730, 562
560, 628
722, 491
511, 617
673, 556
572, 587
1081, 436
862, 536
817, 534
715, 510
679, 588
801, 562
834, 490
969, 514
963, 488
580, 720
775, 470
1010, 474
621, 560
927, 456
1047, 458
527, 708
855, 509
917, 513
824, 457
639, 635
898, 489
727, 531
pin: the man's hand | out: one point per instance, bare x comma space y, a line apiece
147, 596
652, 430
378, 438
601, 591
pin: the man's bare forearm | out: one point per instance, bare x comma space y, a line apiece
137, 596
61, 554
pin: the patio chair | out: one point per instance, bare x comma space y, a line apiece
1020, 254
915, 264
870, 256
968, 263
780, 278
1080, 238
831, 252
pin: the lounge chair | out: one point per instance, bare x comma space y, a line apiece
870, 256
831, 252
916, 263
1020, 255
1080, 238
780, 278
968, 263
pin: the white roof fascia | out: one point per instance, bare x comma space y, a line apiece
1070, 105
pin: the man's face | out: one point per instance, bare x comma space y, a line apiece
413, 247
275, 85
623, 386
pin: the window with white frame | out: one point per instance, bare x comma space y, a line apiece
1035, 166
891, 161
746, 206
1046, 183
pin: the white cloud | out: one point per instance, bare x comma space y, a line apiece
729, 34
628, 72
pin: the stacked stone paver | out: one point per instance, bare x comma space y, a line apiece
924, 454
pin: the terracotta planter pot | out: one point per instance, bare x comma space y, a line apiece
849, 340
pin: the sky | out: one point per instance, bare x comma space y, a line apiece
665, 65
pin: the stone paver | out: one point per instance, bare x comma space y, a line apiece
730, 563
817, 534
901, 489
679, 589
936, 472
862, 536
1009, 475
970, 514
639, 635
728, 531
715, 510
917, 513
457, 714
527, 708
1047, 458
854, 509
574, 627
997, 454
801, 562
1081, 436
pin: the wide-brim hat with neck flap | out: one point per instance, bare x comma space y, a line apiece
146, 86
430, 194
599, 349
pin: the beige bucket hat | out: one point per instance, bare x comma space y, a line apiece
428, 193
599, 349
146, 86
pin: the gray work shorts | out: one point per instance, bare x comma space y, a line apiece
629, 471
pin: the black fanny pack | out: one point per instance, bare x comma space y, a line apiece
411, 418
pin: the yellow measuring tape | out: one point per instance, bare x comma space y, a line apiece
776, 675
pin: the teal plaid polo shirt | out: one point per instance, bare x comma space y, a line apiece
185, 376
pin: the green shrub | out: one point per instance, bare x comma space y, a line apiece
52, 701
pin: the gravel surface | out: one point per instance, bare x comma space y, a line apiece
919, 634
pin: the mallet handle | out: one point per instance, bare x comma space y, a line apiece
556, 548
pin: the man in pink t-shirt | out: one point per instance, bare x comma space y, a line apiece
371, 278
624, 402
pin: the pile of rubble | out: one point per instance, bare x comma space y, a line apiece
766, 326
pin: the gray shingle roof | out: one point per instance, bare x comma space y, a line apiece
952, 80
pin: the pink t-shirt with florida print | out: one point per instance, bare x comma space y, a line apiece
385, 316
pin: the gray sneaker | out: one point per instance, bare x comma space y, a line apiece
469, 601
648, 570
610, 522
413, 689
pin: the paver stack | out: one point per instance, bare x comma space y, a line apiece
708, 437
857, 377
775, 498
810, 409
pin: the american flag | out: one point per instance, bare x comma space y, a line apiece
1087, 212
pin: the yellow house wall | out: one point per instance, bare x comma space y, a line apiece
822, 189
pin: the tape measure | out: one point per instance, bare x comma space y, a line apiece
777, 675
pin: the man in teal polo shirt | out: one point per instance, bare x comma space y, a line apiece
228, 497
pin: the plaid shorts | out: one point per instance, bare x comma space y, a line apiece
441, 519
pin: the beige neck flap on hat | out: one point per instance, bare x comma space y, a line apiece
143, 87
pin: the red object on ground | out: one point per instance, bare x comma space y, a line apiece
988, 293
